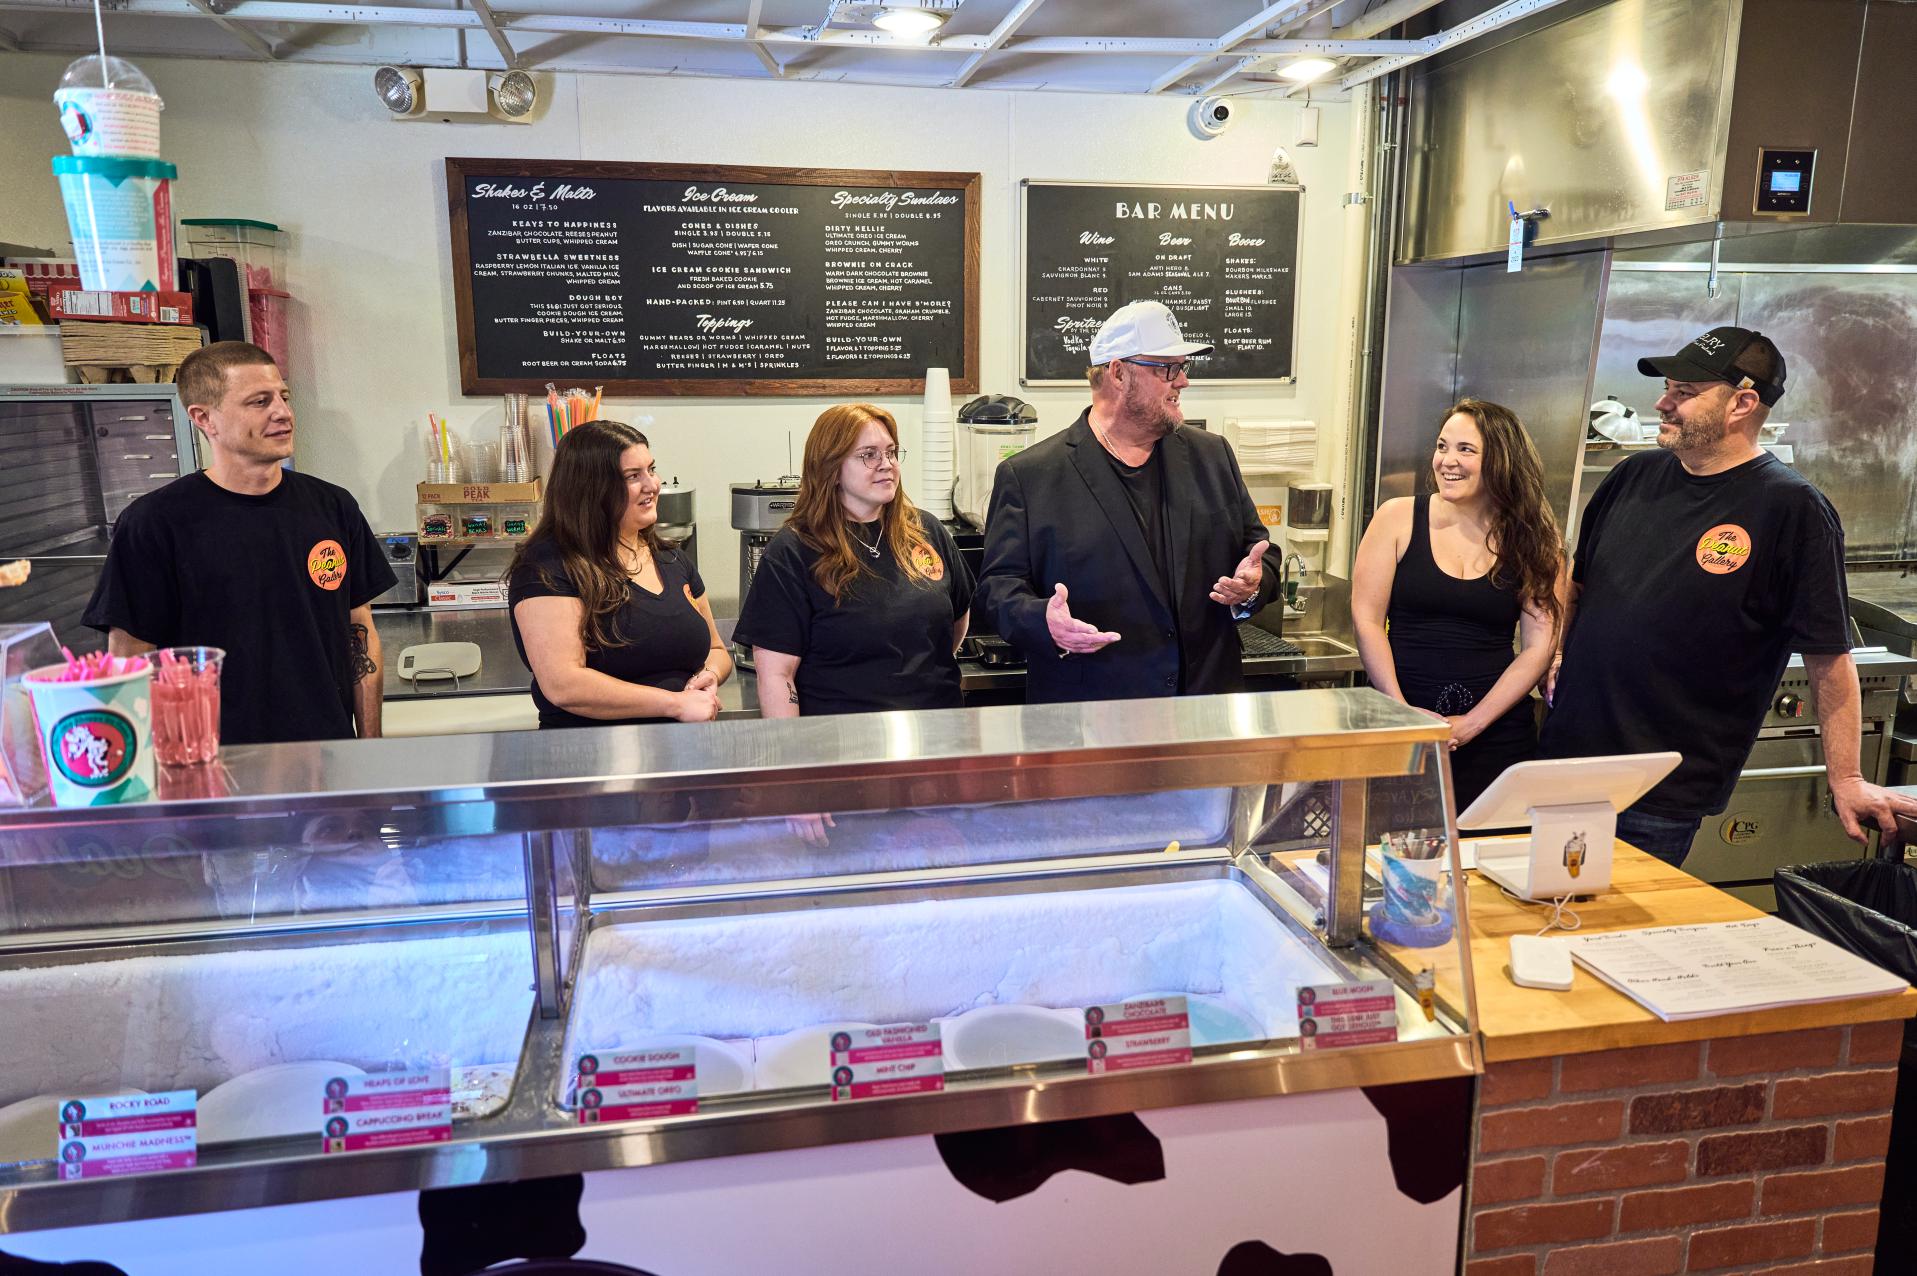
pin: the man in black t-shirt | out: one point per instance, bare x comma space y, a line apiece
1107, 546
1700, 569
277, 568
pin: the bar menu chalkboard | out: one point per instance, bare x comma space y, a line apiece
700, 280
1223, 258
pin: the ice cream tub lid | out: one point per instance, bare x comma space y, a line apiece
113, 168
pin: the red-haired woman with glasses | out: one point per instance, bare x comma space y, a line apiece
860, 601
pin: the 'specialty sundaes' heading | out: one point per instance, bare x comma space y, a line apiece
889, 200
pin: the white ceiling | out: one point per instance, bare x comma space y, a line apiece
1112, 46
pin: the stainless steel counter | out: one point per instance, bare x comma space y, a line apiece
553, 786
1885, 601
1327, 658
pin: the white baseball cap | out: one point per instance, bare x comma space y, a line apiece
1142, 328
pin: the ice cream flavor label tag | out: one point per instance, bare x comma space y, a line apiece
127, 1134
1362, 1014
372, 1110
877, 1063
1148, 1032
635, 1085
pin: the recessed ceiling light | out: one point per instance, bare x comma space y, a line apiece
909, 21
1305, 70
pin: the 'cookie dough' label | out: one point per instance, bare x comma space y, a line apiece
635, 1085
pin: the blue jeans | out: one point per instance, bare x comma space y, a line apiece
1665, 836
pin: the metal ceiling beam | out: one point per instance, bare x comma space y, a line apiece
251, 39
298, 13
484, 13
1260, 61
1007, 28
1485, 23
302, 14
1269, 15
1382, 18
757, 46
1347, 42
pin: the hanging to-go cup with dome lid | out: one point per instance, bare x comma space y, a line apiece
109, 108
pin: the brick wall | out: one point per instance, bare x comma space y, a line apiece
1737, 1154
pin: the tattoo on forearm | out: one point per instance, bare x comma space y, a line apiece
358, 645
791, 693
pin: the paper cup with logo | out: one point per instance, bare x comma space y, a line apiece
110, 122
97, 736
120, 214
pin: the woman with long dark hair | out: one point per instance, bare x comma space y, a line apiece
1443, 580
615, 627
860, 601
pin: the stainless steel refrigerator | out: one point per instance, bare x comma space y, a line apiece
72, 458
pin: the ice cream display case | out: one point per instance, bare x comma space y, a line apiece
810, 931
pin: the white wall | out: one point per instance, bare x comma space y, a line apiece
364, 199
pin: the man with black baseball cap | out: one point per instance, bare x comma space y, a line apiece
1700, 569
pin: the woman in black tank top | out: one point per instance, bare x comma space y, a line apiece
1443, 582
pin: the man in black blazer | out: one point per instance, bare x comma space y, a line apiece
1104, 544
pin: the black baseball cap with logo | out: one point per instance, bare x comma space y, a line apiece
1737, 356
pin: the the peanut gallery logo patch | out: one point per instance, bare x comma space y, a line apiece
927, 560
1724, 549
326, 564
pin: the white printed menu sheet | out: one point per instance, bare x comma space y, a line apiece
1721, 968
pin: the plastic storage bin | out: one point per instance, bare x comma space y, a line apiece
259, 247
266, 308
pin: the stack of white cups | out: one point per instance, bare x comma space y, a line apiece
936, 452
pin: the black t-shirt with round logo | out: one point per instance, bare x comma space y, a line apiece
270, 579
887, 644
1694, 592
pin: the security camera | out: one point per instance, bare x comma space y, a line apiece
1210, 116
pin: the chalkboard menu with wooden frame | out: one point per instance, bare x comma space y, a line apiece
695, 279
1223, 258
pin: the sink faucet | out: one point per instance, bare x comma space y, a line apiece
1288, 587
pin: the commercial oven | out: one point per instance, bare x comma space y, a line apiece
1780, 812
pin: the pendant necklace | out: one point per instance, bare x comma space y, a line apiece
873, 549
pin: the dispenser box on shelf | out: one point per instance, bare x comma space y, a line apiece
479, 493
121, 307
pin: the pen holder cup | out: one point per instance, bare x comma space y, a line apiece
1416, 909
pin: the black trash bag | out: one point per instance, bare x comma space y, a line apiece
1869, 907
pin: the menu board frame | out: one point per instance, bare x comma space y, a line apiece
472, 382
1183, 190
